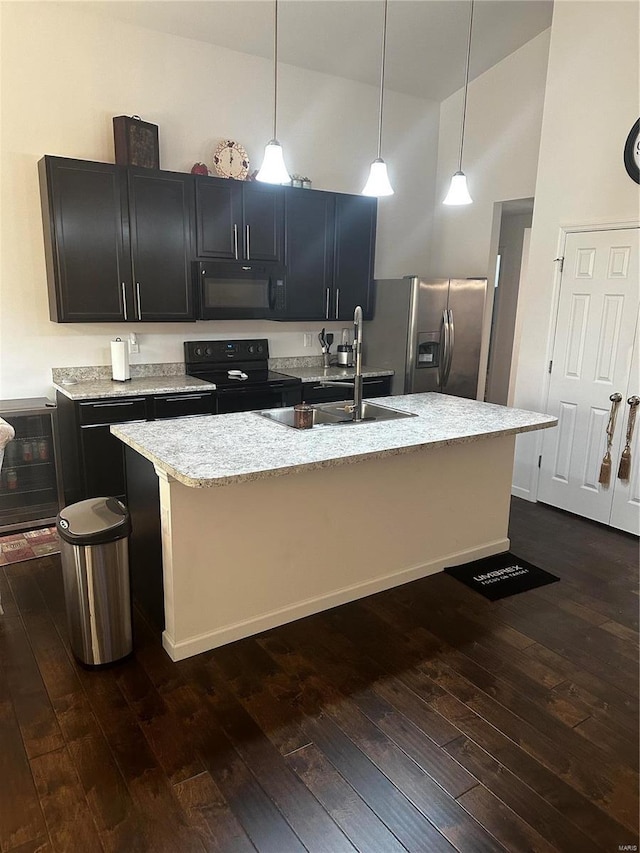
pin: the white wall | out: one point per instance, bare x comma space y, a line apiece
502, 134
591, 103
66, 72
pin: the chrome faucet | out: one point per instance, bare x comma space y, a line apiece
357, 379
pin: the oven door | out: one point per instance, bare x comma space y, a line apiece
274, 396
240, 291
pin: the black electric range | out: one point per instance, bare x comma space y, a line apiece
240, 371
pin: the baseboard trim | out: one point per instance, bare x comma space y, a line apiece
525, 494
247, 628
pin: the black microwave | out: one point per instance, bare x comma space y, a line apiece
240, 290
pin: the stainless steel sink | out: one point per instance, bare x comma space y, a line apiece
337, 414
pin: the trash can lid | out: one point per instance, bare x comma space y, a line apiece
94, 521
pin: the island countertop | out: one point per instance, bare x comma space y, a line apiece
217, 450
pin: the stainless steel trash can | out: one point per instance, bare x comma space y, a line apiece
95, 569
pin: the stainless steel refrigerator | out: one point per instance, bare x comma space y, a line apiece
429, 333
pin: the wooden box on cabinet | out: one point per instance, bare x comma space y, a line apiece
136, 142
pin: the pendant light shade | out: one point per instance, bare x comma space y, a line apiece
378, 183
273, 170
458, 191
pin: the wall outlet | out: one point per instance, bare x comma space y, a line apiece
308, 339
134, 346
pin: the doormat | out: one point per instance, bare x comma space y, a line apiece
501, 575
16, 547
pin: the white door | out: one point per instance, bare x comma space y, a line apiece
625, 510
597, 315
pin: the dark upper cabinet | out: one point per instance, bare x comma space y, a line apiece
263, 209
355, 237
218, 217
117, 242
160, 214
238, 220
309, 235
329, 254
84, 207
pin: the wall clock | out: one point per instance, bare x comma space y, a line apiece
230, 160
632, 153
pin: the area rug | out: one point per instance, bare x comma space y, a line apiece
501, 575
16, 547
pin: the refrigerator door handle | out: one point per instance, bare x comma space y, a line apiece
444, 349
452, 340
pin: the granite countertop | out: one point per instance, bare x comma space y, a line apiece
218, 450
316, 374
88, 389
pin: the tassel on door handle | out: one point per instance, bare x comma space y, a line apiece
624, 469
605, 467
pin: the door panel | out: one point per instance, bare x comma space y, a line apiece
625, 510
595, 330
161, 216
88, 252
263, 208
355, 233
308, 253
218, 218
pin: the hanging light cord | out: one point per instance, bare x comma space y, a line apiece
275, 70
384, 50
466, 86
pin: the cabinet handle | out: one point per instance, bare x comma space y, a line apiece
183, 398
138, 300
112, 405
235, 240
247, 230
337, 301
326, 309
124, 300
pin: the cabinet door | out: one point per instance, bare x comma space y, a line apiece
103, 458
263, 218
355, 234
218, 218
309, 217
160, 212
84, 207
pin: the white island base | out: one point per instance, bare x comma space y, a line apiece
252, 555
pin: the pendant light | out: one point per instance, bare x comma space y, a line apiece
458, 192
273, 170
378, 181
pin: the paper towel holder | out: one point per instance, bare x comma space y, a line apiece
120, 371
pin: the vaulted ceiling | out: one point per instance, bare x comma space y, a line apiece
426, 42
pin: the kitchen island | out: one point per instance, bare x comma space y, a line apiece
260, 524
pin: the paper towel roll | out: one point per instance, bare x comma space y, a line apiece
120, 360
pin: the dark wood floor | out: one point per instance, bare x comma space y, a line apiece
420, 719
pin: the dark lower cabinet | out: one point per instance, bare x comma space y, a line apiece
92, 459
372, 386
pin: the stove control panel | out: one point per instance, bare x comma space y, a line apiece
221, 352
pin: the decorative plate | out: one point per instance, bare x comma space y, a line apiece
230, 160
